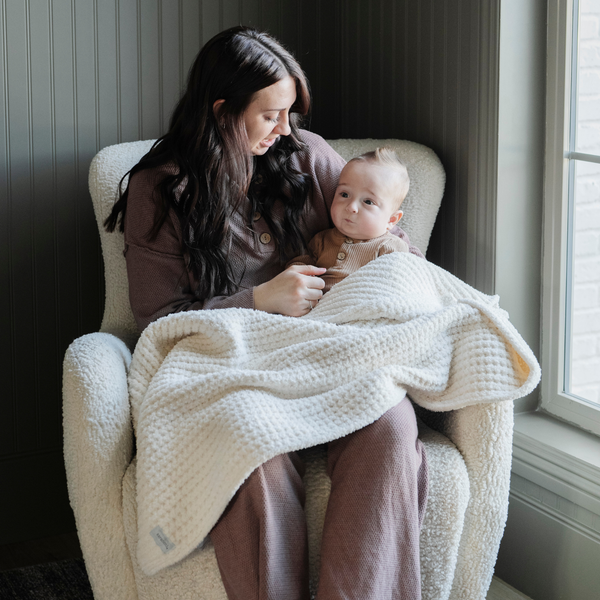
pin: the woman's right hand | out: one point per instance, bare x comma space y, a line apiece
292, 292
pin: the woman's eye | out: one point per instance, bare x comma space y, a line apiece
275, 120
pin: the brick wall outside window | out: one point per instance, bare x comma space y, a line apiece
585, 349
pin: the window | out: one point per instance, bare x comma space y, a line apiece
571, 277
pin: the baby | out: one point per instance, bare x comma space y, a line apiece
365, 207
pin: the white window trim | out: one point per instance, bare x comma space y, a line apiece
554, 273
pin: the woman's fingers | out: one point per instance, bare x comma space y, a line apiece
292, 292
307, 270
313, 283
314, 294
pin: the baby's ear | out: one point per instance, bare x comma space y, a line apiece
394, 219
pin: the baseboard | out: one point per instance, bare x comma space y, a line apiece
500, 590
567, 513
544, 558
556, 467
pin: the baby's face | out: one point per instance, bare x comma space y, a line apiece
365, 203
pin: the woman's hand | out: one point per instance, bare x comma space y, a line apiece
294, 292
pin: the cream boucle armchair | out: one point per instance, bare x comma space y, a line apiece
469, 451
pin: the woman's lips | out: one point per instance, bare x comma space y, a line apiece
268, 143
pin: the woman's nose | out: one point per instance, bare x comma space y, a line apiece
283, 126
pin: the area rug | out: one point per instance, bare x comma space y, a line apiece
64, 580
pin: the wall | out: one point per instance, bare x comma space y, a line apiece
428, 71
551, 544
520, 169
77, 76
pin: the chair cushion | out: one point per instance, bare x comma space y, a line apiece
198, 577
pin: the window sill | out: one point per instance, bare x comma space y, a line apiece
557, 468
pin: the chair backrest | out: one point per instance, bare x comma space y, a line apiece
427, 179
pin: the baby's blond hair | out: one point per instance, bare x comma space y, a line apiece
386, 157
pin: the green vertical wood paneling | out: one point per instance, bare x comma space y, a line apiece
77, 76
250, 13
170, 57
78, 240
190, 36
44, 234
22, 273
211, 19
106, 78
7, 420
426, 71
151, 68
129, 71
270, 15
231, 13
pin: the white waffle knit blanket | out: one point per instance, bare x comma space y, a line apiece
216, 393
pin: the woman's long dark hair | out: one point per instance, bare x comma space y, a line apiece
212, 167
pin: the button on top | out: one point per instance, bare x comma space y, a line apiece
265, 238
256, 216
341, 255
349, 241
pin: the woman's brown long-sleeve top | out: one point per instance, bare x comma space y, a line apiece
160, 284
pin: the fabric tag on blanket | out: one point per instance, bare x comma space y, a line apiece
162, 541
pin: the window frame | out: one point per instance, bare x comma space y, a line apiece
558, 157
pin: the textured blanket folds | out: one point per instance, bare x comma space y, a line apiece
216, 393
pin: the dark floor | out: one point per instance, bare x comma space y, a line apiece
36, 552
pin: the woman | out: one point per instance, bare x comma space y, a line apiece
211, 214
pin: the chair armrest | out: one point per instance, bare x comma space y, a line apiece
483, 435
98, 447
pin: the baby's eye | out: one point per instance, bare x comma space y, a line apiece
369, 202
344, 194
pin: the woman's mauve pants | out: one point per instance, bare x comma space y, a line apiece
370, 547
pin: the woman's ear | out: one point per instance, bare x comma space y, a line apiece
217, 108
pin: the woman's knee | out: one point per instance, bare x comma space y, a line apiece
281, 476
396, 427
391, 439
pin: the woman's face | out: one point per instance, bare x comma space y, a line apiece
268, 115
